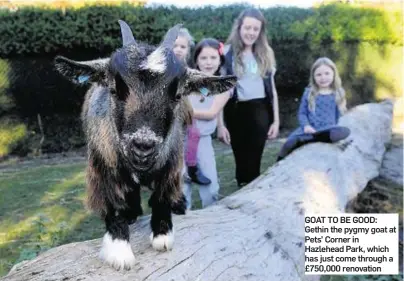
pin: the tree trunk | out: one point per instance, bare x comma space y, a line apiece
256, 233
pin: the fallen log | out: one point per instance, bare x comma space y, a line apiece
256, 233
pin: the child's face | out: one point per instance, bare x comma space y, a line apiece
323, 76
250, 30
208, 60
181, 48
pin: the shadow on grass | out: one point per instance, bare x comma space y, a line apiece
35, 209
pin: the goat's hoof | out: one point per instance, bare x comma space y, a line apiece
180, 207
117, 253
162, 242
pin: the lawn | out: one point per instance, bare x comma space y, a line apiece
41, 206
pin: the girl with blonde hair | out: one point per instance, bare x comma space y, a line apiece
321, 106
183, 45
252, 115
182, 49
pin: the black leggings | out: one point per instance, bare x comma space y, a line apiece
248, 123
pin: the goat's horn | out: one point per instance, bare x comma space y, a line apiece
127, 36
171, 36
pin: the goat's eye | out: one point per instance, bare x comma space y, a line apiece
177, 97
172, 89
121, 89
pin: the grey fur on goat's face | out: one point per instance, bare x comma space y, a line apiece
145, 86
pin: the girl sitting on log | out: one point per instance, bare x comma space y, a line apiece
321, 106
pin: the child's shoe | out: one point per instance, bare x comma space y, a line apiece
196, 175
293, 143
330, 135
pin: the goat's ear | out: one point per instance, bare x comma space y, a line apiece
82, 71
195, 80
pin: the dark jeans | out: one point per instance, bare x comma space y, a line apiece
248, 124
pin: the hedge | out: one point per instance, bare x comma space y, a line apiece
33, 30
365, 44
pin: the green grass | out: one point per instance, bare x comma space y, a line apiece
43, 207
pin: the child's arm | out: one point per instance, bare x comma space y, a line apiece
304, 110
275, 99
218, 103
274, 127
222, 132
220, 119
338, 114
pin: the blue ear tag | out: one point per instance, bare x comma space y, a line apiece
204, 92
83, 78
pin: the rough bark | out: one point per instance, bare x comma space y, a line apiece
392, 165
255, 234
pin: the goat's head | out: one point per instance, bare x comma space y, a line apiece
146, 85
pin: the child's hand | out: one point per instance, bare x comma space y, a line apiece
273, 130
223, 134
309, 129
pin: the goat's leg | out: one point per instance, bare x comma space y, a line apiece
116, 249
179, 207
162, 236
134, 209
167, 197
107, 197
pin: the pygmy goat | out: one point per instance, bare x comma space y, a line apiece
134, 117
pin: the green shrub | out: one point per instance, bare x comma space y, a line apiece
343, 23
366, 45
12, 133
95, 27
6, 102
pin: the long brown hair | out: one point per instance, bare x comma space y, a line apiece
263, 53
336, 85
212, 43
